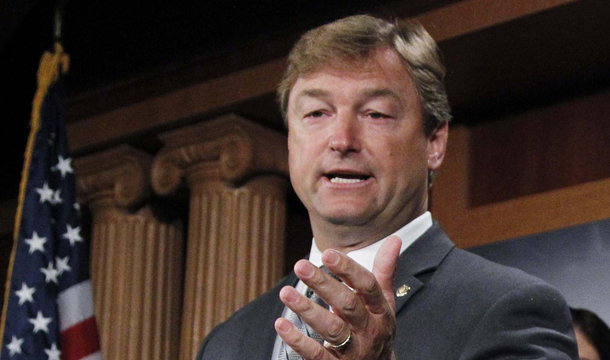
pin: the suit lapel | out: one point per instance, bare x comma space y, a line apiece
424, 255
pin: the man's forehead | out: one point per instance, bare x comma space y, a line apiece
365, 92
330, 82
384, 62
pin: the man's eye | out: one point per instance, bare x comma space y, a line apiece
315, 114
377, 115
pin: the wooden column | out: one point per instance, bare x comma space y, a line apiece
235, 171
136, 260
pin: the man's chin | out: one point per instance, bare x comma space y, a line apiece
348, 219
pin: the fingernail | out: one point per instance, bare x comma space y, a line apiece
307, 269
290, 296
331, 257
282, 325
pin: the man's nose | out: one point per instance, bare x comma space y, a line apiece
345, 137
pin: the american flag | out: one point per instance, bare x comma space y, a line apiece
48, 309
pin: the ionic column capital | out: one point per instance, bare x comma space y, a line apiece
230, 148
119, 176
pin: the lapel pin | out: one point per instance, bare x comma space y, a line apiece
402, 291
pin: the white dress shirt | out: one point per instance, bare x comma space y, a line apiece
365, 256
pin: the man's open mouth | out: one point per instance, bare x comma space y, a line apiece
346, 178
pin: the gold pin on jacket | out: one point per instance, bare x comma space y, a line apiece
402, 291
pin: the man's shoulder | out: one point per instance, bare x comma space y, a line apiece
464, 268
471, 307
253, 323
485, 279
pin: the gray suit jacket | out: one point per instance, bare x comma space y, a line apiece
459, 306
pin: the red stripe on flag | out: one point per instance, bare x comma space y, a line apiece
80, 340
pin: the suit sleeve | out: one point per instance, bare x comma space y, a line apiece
531, 322
208, 350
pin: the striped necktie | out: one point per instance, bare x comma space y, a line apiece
286, 352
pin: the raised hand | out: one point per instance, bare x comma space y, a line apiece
363, 316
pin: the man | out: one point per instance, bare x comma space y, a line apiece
367, 120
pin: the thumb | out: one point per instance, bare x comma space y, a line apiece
385, 265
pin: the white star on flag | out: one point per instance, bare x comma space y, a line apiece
64, 166
50, 273
62, 265
46, 193
56, 199
36, 243
53, 352
54, 301
41, 323
73, 235
15, 346
25, 294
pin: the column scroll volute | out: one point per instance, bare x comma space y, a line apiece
229, 147
117, 177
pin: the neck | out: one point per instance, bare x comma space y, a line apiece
350, 237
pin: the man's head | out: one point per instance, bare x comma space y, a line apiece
360, 150
356, 38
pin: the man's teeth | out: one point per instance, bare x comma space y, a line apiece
338, 180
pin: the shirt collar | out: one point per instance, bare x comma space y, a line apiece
366, 256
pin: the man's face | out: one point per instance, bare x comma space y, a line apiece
358, 154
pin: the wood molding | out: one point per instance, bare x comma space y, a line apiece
197, 100
472, 226
181, 104
136, 259
236, 171
118, 176
229, 147
473, 15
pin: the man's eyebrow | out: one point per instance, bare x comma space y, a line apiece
315, 93
376, 93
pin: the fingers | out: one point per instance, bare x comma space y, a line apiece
385, 266
375, 289
330, 326
344, 301
307, 347
366, 312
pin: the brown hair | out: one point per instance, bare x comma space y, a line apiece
355, 38
594, 329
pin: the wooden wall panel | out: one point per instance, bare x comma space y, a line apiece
545, 149
543, 170
184, 105
472, 15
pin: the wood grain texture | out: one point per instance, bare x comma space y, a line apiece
470, 225
230, 147
235, 171
137, 283
472, 15
208, 96
543, 149
235, 251
180, 104
136, 259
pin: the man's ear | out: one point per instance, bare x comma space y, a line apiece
437, 145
